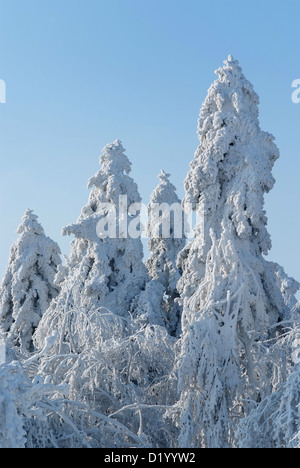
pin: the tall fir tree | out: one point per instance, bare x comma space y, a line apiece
28, 286
231, 295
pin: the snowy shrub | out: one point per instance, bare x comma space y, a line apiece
275, 422
24, 405
127, 379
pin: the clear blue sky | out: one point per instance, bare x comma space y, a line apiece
81, 73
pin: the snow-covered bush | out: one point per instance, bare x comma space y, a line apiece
25, 405
275, 421
126, 378
12, 433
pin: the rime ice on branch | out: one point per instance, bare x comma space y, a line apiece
231, 294
275, 423
28, 286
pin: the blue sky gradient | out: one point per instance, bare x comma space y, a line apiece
81, 73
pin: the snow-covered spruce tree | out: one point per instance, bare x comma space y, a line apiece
114, 369
157, 304
102, 274
28, 286
231, 295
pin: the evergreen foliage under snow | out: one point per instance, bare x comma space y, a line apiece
28, 286
198, 347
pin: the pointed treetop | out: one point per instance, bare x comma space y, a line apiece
231, 94
165, 195
30, 223
231, 62
113, 161
165, 192
233, 86
113, 147
232, 67
163, 176
110, 183
233, 164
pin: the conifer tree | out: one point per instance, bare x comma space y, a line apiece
158, 303
103, 274
106, 360
28, 286
231, 294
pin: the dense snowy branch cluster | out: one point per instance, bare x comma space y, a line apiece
198, 347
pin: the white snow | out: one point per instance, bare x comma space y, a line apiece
197, 348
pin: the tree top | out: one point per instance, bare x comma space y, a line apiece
30, 223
